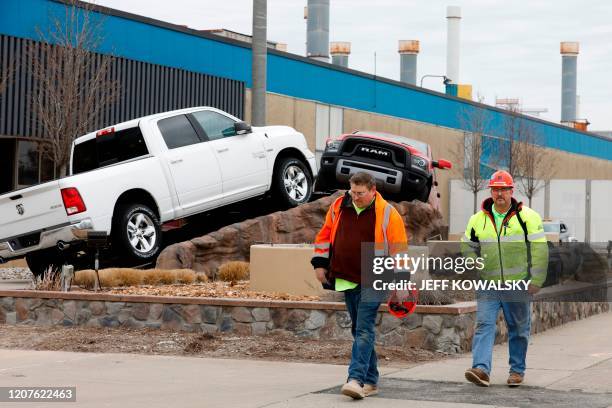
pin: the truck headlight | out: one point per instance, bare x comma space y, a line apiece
333, 146
419, 163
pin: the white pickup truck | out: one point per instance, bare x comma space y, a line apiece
129, 179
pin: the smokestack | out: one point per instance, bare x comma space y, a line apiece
317, 23
408, 50
340, 51
569, 58
453, 40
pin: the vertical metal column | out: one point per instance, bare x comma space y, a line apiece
587, 213
258, 100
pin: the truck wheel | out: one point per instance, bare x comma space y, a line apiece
292, 183
40, 262
424, 194
137, 232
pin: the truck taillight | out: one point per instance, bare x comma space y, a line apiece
73, 203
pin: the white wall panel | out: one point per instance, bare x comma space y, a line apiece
601, 210
568, 203
321, 130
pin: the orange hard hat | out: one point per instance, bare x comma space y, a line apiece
405, 307
501, 178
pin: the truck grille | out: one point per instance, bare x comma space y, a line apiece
380, 151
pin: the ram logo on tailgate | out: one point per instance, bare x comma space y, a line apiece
20, 209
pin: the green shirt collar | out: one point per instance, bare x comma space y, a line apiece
360, 210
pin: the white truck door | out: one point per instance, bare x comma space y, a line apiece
242, 158
193, 165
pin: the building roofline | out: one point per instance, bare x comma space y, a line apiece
213, 37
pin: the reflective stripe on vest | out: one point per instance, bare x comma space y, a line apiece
385, 224
537, 235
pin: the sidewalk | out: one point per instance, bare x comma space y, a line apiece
568, 366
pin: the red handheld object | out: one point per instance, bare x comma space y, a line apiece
405, 307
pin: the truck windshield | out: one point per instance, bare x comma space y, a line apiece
108, 149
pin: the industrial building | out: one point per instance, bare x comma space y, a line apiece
162, 66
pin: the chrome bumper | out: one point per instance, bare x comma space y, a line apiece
48, 239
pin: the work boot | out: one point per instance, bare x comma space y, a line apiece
477, 376
514, 379
353, 389
370, 389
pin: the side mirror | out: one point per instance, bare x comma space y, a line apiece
563, 228
442, 164
242, 128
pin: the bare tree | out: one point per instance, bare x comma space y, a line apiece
475, 121
74, 87
514, 127
522, 154
533, 167
6, 75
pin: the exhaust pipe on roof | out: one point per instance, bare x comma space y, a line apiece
340, 51
569, 75
453, 42
408, 50
317, 26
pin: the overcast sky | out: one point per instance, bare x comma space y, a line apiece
508, 49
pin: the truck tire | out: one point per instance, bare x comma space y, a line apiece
137, 233
45, 260
291, 182
424, 195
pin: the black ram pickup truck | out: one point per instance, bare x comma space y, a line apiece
403, 167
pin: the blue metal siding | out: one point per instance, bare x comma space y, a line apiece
156, 43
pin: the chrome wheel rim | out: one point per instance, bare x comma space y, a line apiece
296, 183
141, 232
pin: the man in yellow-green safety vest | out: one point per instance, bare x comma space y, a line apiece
510, 239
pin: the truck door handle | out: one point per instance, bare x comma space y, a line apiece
176, 161
225, 149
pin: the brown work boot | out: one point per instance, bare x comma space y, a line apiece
477, 376
353, 389
369, 390
515, 379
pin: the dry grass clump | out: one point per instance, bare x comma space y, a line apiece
159, 277
117, 277
85, 278
49, 281
185, 276
234, 271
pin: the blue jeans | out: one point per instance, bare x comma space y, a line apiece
518, 322
363, 355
